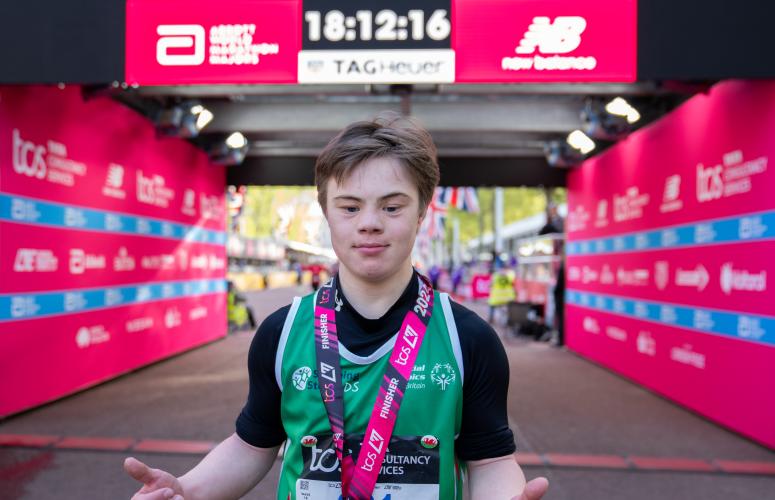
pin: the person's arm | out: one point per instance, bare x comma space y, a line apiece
228, 472
502, 478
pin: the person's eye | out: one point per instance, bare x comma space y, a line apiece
350, 209
392, 208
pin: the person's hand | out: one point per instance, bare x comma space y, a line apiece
534, 489
157, 484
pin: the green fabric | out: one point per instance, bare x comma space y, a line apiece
426, 408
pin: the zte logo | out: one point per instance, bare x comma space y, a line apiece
31, 260
558, 37
180, 36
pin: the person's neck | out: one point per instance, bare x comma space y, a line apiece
373, 299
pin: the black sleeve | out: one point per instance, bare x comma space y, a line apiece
485, 429
259, 423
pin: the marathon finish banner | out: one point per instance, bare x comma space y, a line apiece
545, 41
172, 42
113, 244
669, 257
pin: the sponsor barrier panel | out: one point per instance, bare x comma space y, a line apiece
113, 244
670, 238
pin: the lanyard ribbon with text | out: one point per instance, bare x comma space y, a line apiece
358, 480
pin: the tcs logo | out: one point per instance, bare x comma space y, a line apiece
28, 158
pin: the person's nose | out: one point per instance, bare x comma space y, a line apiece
370, 220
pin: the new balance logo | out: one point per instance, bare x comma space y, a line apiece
558, 37
180, 36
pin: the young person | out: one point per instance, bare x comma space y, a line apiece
378, 386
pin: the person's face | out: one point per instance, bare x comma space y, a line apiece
374, 218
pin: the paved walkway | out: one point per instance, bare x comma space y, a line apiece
592, 433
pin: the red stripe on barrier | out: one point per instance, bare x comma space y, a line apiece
673, 464
596, 461
95, 443
174, 446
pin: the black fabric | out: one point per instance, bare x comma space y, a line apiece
485, 430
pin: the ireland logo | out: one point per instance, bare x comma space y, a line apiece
300, 377
443, 375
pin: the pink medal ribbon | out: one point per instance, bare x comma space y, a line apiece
358, 480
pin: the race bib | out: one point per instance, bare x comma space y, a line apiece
410, 471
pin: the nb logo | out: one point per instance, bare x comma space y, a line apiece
560, 37
180, 36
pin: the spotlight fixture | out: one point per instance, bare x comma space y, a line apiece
185, 120
602, 124
231, 151
579, 140
618, 106
561, 154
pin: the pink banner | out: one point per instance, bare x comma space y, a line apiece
670, 240
56, 259
53, 153
113, 243
724, 379
707, 159
196, 42
716, 277
48, 358
545, 40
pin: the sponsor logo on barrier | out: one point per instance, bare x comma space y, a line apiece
671, 201
48, 162
602, 214
189, 202
703, 320
172, 317
91, 335
139, 324
114, 182
589, 275
34, 260
561, 36
75, 217
24, 210
749, 328
153, 191
80, 261
616, 333
606, 275
578, 219
751, 227
574, 273
687, 356
123, 261
742, 280
661, 274
733, 176
74, 301
630, 205
113, 296
23, 307
646, 344
113, 222
198, 312
704, 233
693, 278
632, 277
163, 261
211, 207
590, 325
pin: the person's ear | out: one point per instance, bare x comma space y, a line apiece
420, 219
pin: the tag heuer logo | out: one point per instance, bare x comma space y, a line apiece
300, 377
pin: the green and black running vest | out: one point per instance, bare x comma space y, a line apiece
420, 463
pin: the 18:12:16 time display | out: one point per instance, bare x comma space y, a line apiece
335, 26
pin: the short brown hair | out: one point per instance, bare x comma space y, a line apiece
387, 135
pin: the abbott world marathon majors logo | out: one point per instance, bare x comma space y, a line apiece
551, 38
49, 162
80, 261
229, 45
